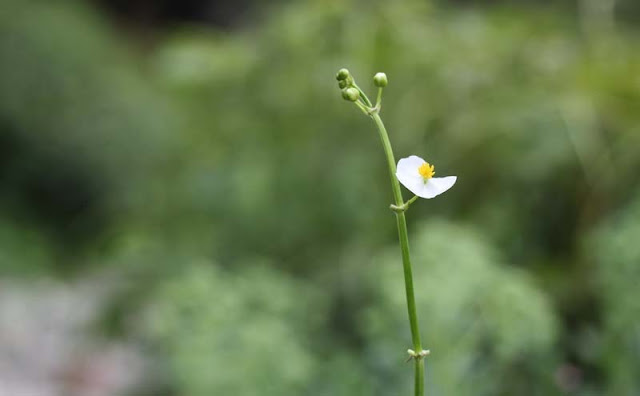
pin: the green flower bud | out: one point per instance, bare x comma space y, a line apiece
343, 74
350, 94
343, 84
380, 80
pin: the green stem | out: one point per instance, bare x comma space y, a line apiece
406, 259
404, 206
379, 98
363, 96
419, 377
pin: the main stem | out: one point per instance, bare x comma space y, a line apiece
406, 259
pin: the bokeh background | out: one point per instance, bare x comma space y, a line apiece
188, 207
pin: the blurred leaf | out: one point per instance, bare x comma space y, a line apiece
479, 318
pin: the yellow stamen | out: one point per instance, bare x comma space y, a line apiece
426, 171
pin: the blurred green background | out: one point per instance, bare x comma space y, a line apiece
188, 207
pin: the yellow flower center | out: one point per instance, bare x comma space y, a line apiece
426, 171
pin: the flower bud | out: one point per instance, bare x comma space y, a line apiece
343, 84
343, 74
380, 80
350, 94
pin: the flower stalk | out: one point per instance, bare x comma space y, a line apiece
404, 206
417, 354
403, 236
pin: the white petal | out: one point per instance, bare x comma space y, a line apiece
415, 184
407, 174
409, 166
436, 186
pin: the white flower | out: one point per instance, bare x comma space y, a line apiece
416, 175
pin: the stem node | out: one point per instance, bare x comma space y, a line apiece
417, 355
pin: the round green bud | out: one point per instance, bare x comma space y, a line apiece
343, 84
343, 74
380, 80
350, 94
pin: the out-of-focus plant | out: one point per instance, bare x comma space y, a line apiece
616, 254
232, 333
23, 251
153, 137
482, 318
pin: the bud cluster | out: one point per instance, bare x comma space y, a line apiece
352, 93
345, 82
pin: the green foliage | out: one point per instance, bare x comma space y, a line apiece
616, 254
237, 145
232, 333
23, 251
481, 318
81, 127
